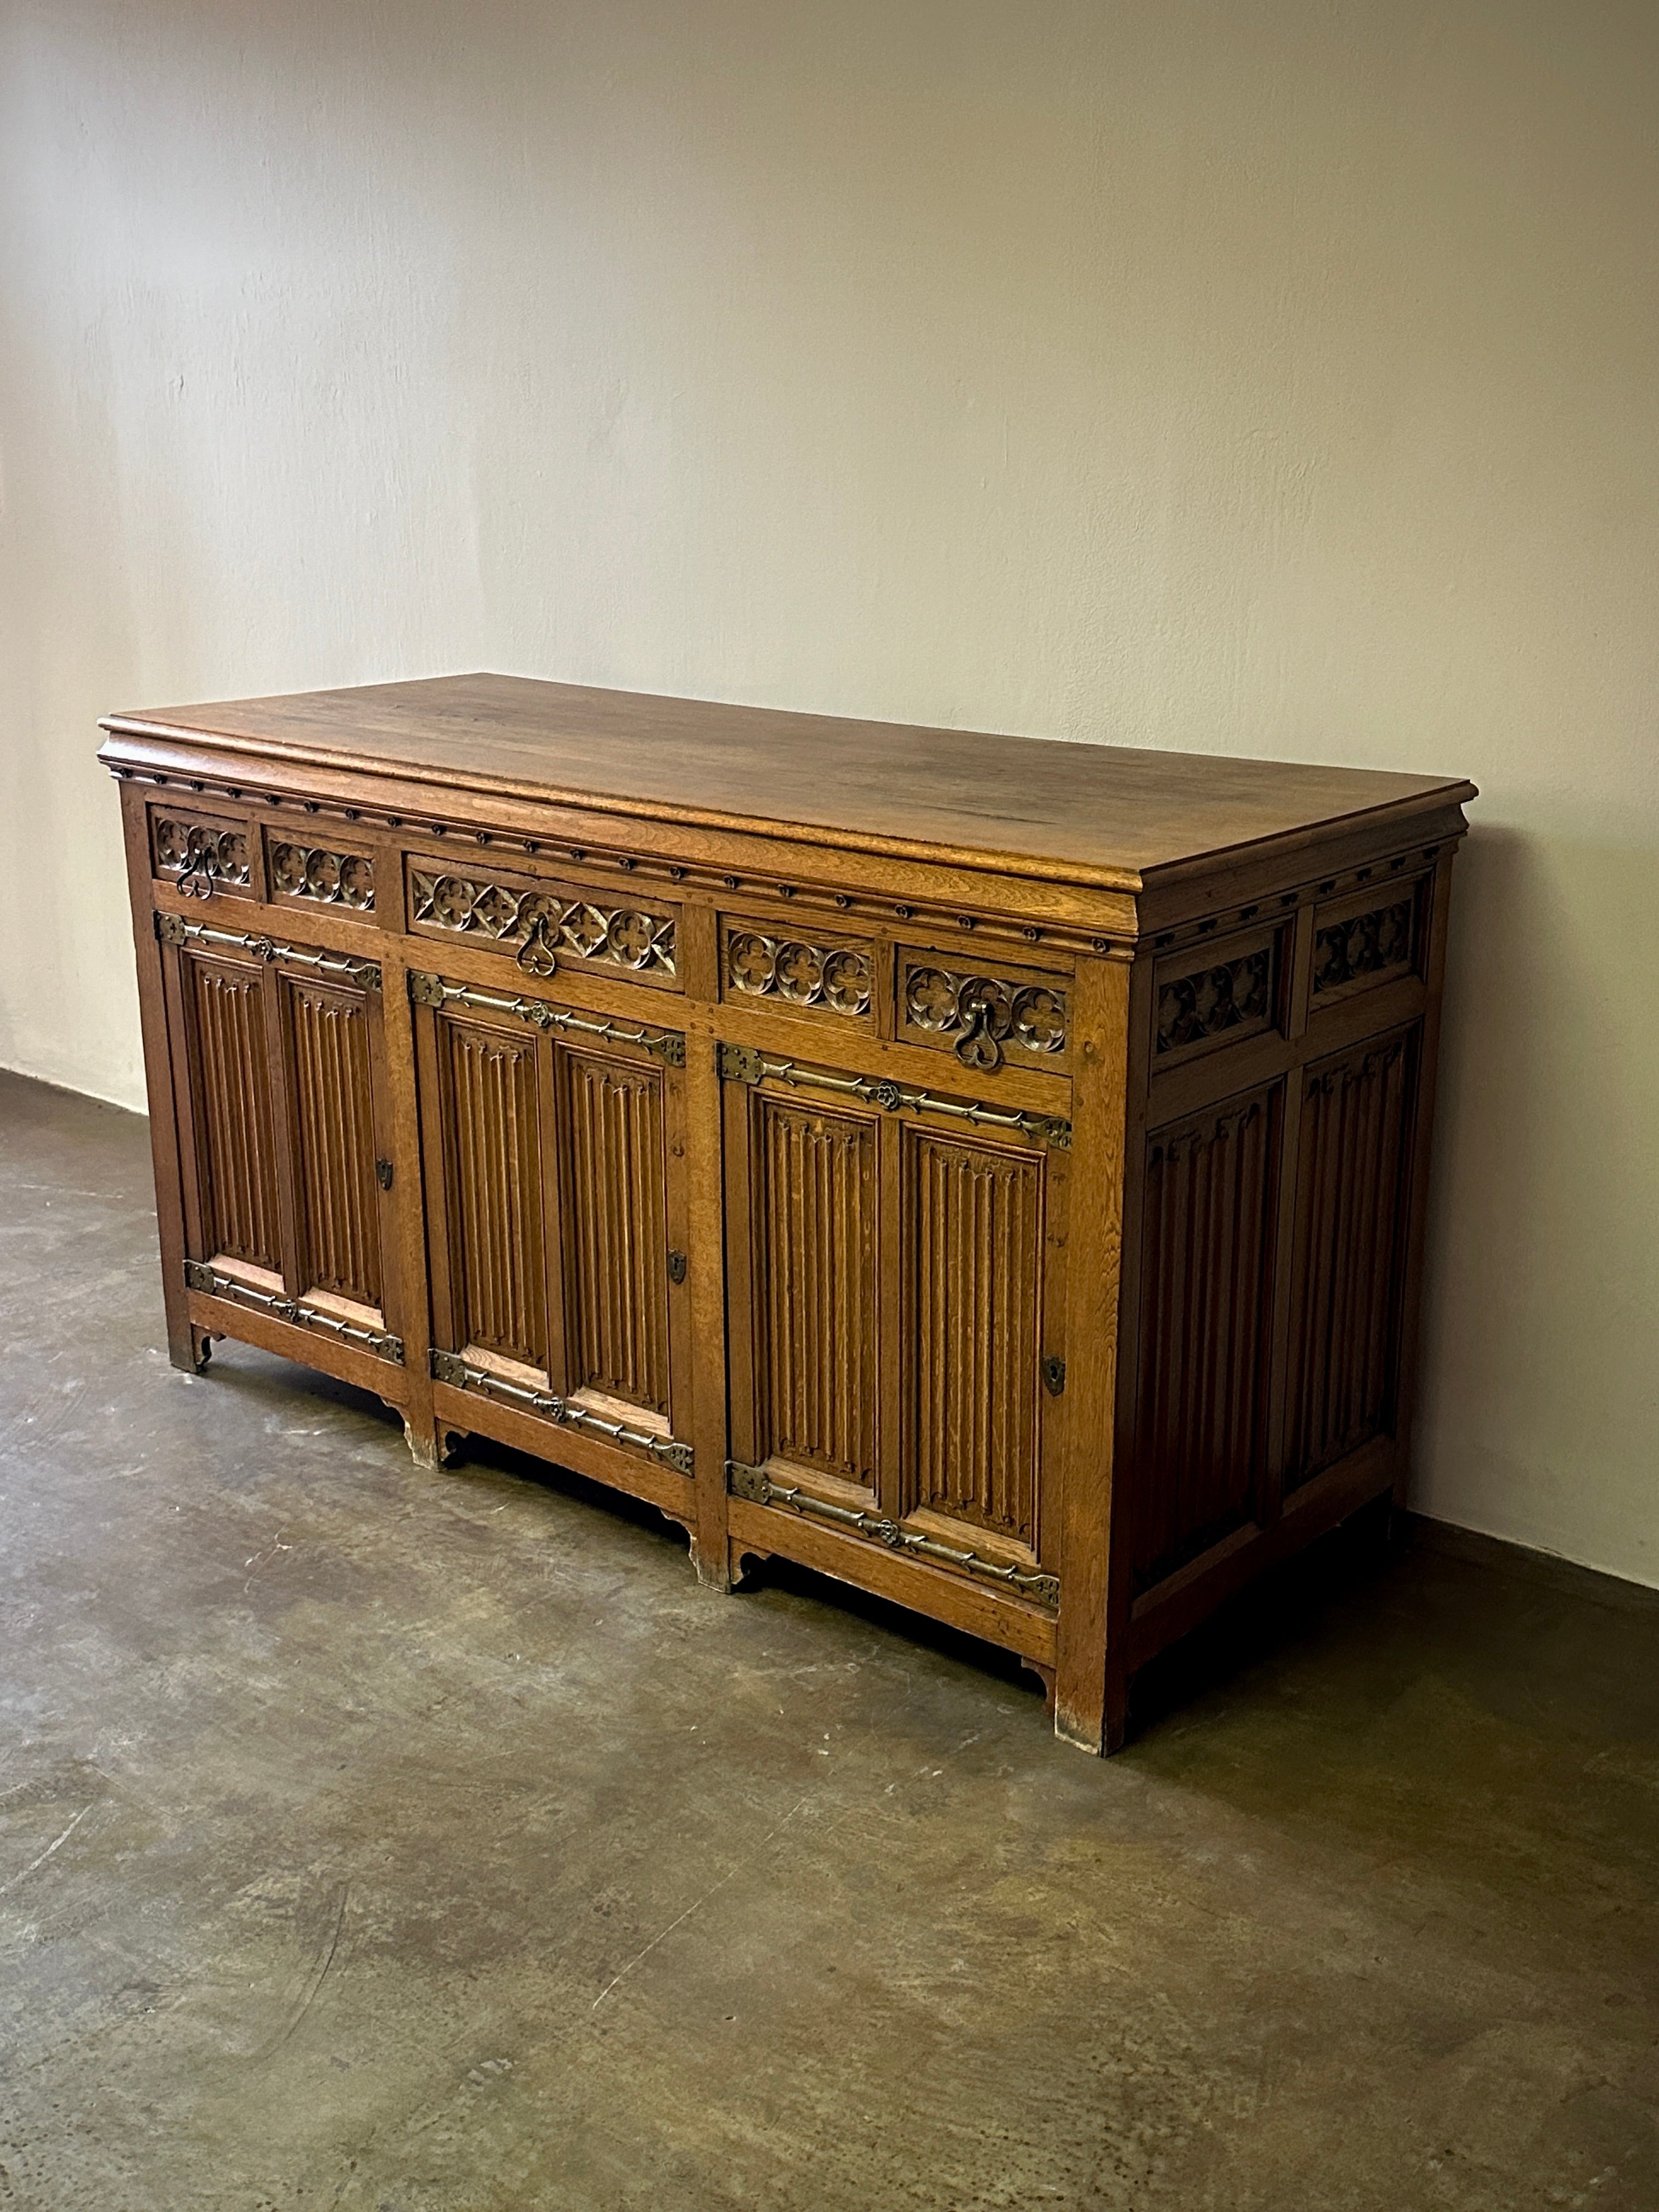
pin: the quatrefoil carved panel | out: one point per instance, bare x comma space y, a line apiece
309, 871
985, 1013
621, 937
800, 973
1232, 994
200, 855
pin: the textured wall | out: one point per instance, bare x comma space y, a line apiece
1266, 378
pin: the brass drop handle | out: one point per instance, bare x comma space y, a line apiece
536, 955
980, 1045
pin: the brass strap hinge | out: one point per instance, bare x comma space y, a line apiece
741, 1063
757, 1487
668, 1045
449, 1367
200, 1275
173, 929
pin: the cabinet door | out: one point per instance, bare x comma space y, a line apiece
895, 1306
555, 1202
279, 1090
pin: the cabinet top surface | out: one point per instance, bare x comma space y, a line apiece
1112, 814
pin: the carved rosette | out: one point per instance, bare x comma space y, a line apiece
985, 1013
1368, 947
1192, 1009
302, 872
200, 855
788, 968
620, 937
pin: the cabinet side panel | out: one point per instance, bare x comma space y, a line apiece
974, 1236
1206, 1293
235, 1140
498, 1283
816, 1293
617, 1250
1355, 1128
334, 1133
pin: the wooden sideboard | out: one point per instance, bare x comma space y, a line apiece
991, 1172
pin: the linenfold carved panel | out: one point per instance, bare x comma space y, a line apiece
311, 872
972, 1231
235, 1140
334, 1137
816, 1204
547, 922
1206, 1308
616, 1236
1355, 1126
797, 971
496, 1144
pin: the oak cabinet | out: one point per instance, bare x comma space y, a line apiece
991, 1173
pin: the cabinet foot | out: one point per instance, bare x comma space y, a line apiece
1100, 1733
712, 1567
431, 1444
191, 1351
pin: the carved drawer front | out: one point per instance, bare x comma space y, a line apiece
203, 852
895, 1354
1215, 994
1207, 1294
987, 1017
319, 872
807, 971
555, 1209
1371, 937
546, 925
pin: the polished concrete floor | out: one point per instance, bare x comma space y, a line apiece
387, 1838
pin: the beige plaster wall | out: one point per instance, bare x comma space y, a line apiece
1269, 378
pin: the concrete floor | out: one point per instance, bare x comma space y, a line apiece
384, 1838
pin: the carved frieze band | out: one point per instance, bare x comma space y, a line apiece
741, 1063
200, 1276
305, 871
754, 1484
340, 967
803, 975
200, 855
548, 922
985, 1013
1234, 993
449, 1367
1365, 949
437, 991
